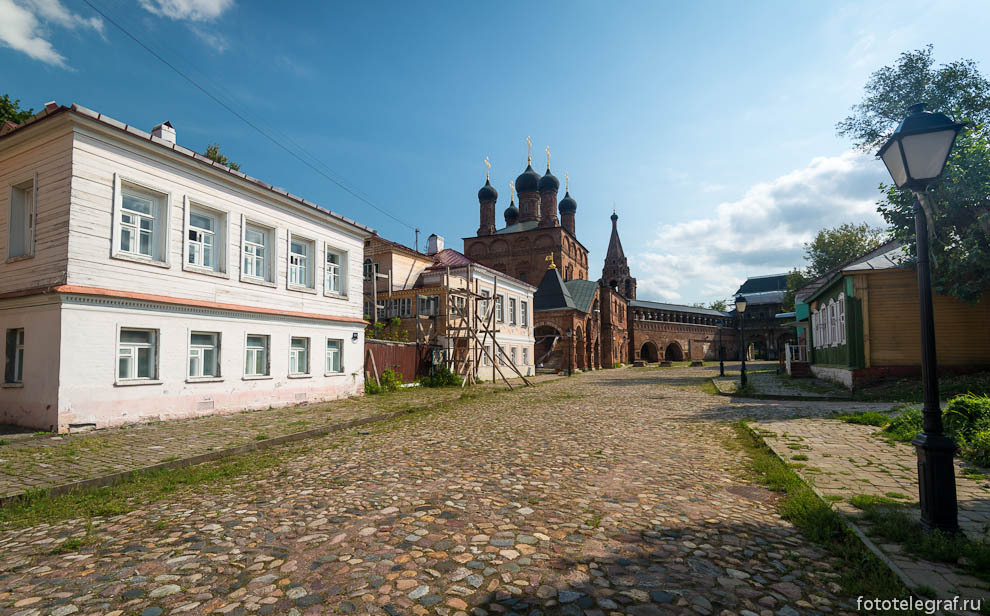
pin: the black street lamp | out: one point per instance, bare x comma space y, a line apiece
721, 350
741, 309
915, 156
570, 351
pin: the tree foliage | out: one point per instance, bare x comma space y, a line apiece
720, 304
960, 247
833, 247
796, 279
213, 153
11, 110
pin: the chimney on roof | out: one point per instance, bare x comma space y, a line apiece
164, 131
51, 106
434, 244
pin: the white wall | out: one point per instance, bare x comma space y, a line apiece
35, 403
88, 392
97, 156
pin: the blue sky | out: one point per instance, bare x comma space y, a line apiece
710, 125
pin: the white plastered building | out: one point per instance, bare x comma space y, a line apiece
141, 281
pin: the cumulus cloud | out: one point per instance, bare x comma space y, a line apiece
23, 27
188, 10
762, 233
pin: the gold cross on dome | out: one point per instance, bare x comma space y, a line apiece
548, 157
549, 259
529, 150
512, 191
488, 168
567, 182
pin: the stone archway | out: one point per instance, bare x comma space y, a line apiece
673, 352
551, 348
589, 348
649, 352
580, 354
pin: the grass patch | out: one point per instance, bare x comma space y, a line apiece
909, 390
862, 573
707, 387
865, 501
891, 522
800, 457
868, 418
37, 506
261, 437
896, 495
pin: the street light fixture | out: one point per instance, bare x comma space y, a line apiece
741, 309
915, 156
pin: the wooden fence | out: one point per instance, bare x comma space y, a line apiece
409, 359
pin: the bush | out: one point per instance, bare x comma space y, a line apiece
966, 414
976, 448
441, 377
390, 381
905, 426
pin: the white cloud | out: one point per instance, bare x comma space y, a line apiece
22, 27
762, 233
189, 10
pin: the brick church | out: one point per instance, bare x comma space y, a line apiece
578, 322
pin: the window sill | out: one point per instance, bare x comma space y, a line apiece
260, 377
188, 267
137, 382
19, 258
300, 289
333, 295
341, 373
300, 376
204, 379
12, 385
123, 256
258, 281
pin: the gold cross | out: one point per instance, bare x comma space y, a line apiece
488, 167
567, 182
529, 150
512, 191
549, 259
548, 157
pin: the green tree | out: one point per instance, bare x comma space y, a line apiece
960, 247
833, 247
719, 304
796, 279
11, 110
213, 153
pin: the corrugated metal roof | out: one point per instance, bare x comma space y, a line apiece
582, 292
762, 284
638, 303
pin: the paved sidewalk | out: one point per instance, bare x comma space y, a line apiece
844, 460
31, 462
767, 383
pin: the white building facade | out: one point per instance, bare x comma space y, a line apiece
142, 281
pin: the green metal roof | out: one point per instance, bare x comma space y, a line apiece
582, 292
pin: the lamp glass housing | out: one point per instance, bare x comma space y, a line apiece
740, 304
916, 153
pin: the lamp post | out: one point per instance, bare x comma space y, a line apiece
915, 155
570, 351
721, 359
741, 310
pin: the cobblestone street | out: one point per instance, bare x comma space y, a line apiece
609, 493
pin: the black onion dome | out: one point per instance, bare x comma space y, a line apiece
487, 192
614, 217
567, 205
528, 180
511, 214
549, 182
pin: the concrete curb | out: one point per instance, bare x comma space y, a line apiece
778, 396
848, 521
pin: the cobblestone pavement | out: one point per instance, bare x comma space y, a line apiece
609, 493
843, 460
766, 382
33, 461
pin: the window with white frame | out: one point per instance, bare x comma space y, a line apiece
841, 306
13, 372
256, 356
369, 269
142, 224
514, 356
20, 237
336, 271
299, 356
428, 305
524, 312
204, 355
301, 266
483, 304
335, 349
486, 358
512, 311
500, 308
405, 307
257, 249
137, 355
205, 241
525, 356
501, 355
